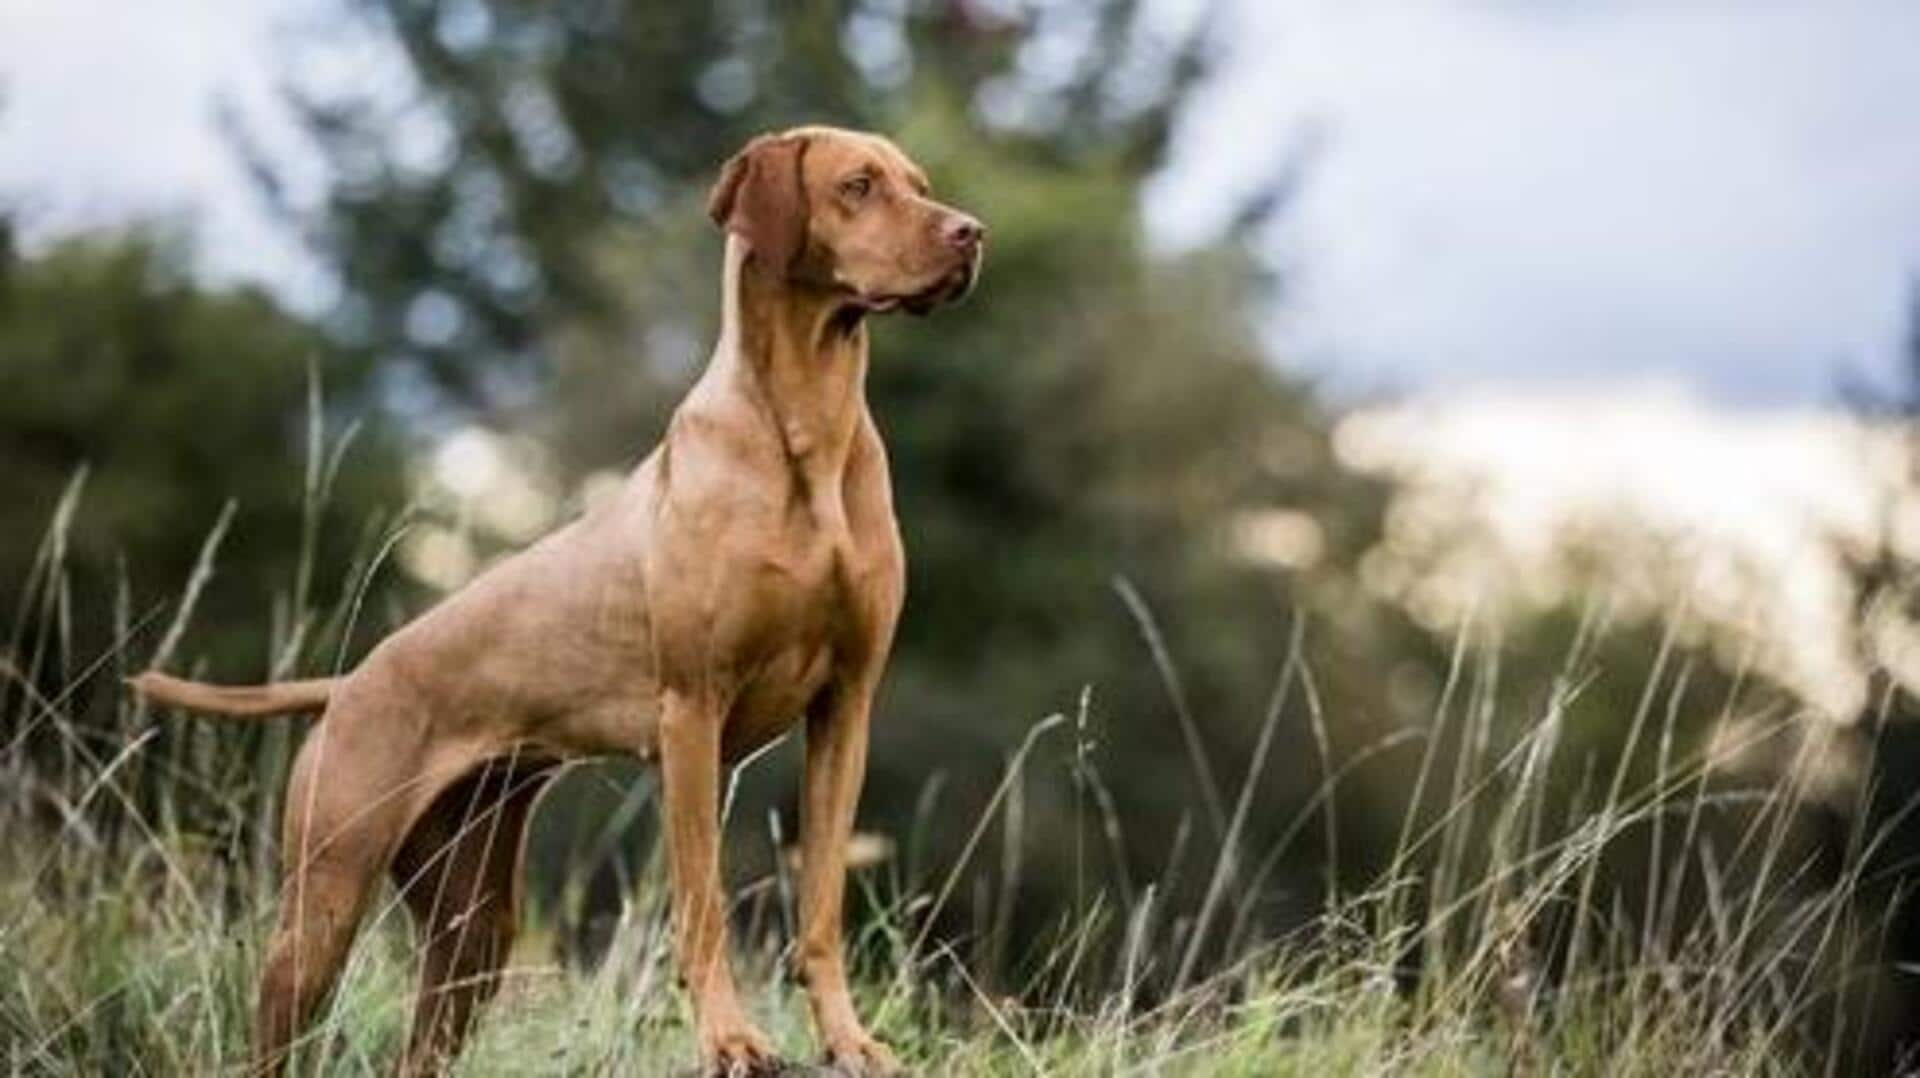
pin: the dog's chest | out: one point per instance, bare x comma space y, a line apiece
815, 562
809, 604
766, 579
808, 596
803, 606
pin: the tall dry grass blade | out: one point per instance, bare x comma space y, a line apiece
923, 807
1012, 775
994, 1011
1308, 810
1622, 767
197, 579
1112, 832
1456, 660
1210, 794
1652, 945
1323, 749
49, 560
1012, 838
1228, 859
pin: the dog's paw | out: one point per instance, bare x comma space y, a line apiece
862, 1057
739, 1067
737, 1050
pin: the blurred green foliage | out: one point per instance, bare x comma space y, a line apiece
166, 399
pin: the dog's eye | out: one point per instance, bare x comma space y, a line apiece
857, 187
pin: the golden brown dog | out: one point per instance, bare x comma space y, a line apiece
749, 574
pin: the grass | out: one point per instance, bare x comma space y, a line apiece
118, 984
144, 977
1493, 944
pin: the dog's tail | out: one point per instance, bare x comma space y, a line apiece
250, 701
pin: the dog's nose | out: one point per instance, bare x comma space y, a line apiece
964, 232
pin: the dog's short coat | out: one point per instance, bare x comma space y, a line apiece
749, 574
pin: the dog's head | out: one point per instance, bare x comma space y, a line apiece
847, 212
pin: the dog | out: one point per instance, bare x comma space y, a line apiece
748, 576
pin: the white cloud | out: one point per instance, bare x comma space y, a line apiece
107, 115
1724, 193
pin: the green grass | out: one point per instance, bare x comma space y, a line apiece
140, 961
140, 974
128, 939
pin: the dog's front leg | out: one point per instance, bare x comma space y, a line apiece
690, 775
836, 764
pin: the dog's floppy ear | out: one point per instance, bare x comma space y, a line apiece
761, 197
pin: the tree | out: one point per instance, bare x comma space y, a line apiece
153, 406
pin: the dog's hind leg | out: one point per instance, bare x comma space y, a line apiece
459, 872
348, 800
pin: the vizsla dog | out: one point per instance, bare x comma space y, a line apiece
749, 574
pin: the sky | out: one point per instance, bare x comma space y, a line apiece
1718, 197
1721, 195
107, 114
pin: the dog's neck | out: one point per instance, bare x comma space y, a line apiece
799, 357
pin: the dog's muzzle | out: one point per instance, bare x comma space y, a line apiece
951, 288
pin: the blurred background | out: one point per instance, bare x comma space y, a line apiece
1352, 389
